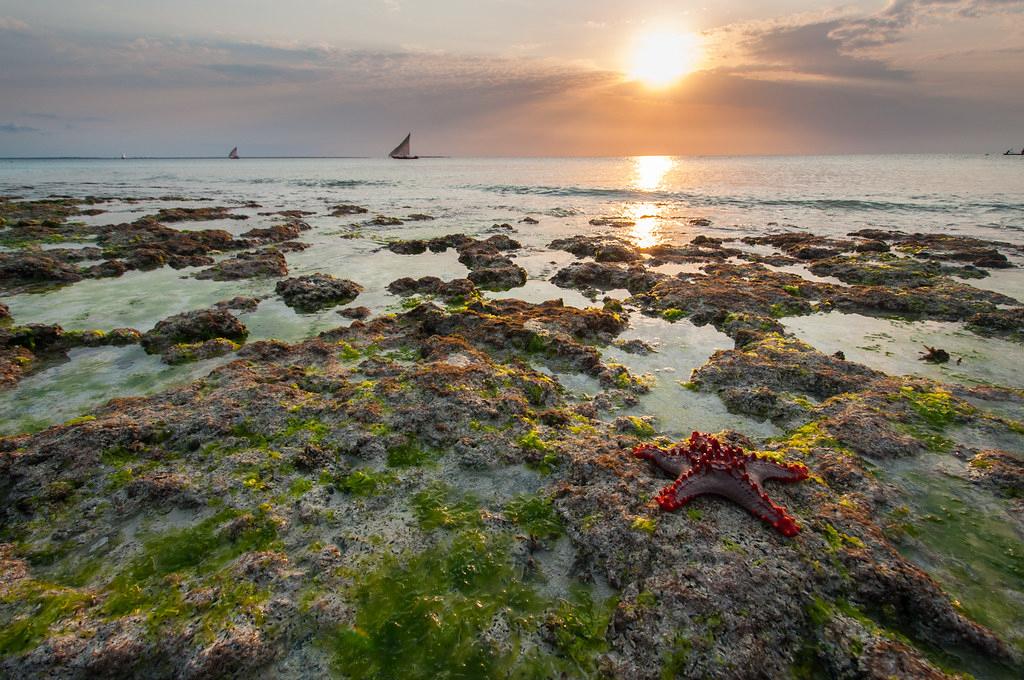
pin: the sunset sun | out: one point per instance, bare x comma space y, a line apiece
658, 59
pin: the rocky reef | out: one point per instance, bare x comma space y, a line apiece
458, 483
311, 293
488, 267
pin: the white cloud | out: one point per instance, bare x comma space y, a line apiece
13, 25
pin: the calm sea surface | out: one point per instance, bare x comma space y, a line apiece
969, 194
976, 195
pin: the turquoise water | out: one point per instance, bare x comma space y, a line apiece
975, 195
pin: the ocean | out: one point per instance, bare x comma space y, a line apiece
668, 199
971, 194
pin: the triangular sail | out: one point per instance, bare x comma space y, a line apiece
234, 153
402, 150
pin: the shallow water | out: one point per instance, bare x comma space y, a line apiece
741, 196
893, 346
965, 538
90, 377
680, 347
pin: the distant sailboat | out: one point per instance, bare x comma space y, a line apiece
402, 151
234, 153
123, 157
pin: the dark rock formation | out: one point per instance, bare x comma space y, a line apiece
247, 265
314, 292
193, 327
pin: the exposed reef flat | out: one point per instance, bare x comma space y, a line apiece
446, 487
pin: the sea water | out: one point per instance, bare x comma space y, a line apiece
667, 199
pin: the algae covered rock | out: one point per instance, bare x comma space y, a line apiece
182, 353
22, 268
601, 248
314, 292
277, 232
194, 215
193, 327
498, 277
256, 264
431, 285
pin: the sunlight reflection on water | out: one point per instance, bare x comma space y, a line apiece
646, 231
650, 171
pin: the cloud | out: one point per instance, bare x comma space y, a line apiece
890, 24
13, 25
62, 118
812, 49
11, 128
788, 85
264, 73
838, 45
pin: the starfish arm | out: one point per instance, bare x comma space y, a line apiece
672, 464
744, 492
761, 469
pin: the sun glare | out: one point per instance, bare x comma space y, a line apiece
650, 171
661, 58
646, 217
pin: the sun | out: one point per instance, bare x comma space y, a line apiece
660, 58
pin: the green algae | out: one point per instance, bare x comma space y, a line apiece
969, 547
440, 507
781, 309
645, 599
424, 615
879, 621
360, 482
932, 440
837, 540
143, 585
579, 625
803, 440
546, 459
346, 352
150, 583
317, 429
936, 407
537, 344
645, 524
255, 439
431, 615
641, 428
300, 487
410, 453
79, 420
47, 604
673, 314
538, 390
675, 661
536, 514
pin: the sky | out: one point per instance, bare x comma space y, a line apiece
507, 77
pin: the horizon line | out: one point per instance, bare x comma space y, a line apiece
582, 157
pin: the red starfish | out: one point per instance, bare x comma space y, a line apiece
704, 465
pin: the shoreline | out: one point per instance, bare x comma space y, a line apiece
278, 513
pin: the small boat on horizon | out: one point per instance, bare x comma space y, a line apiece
402, 152
233, 154
1011, 152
